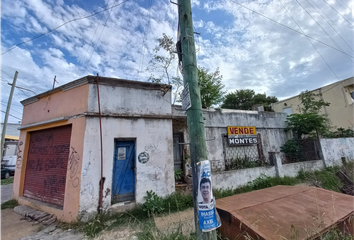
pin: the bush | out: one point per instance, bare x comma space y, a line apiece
153, 203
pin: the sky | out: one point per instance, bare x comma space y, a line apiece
277, 47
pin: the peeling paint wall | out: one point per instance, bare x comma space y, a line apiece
151, 135
292, 169
238, 178
335, 149
269, 124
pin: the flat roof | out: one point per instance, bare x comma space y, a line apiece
102, 81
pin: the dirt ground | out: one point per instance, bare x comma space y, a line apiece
12, 227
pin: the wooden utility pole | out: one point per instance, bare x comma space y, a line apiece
7, 114
195, 121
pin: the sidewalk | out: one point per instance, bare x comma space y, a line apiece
6, 192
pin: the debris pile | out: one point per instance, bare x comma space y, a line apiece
348, 185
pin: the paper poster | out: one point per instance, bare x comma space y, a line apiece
208, 216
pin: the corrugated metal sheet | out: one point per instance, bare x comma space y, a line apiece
284, 212
47, 163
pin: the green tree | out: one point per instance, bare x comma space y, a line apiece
211, 87
309, 120
244, 99
162, 63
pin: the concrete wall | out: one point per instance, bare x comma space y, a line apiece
341, 108
335, 149
143, 115
292, 169
238, 178
269, 124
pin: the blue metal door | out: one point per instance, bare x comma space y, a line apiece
123, 186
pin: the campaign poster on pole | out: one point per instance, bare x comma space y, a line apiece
208, 216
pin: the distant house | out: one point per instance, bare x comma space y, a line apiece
340, 95
11, 138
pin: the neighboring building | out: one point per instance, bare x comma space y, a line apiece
340, 95
144, 139
11, 138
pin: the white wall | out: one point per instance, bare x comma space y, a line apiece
141, 113
270, 125
335, 148
130, 101
238, 178
152, 136
292, 169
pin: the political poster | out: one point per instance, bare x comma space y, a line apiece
208, 216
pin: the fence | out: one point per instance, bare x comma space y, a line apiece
240, 157
304, 150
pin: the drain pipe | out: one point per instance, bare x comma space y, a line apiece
101, 181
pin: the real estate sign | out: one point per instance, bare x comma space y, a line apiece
238, 135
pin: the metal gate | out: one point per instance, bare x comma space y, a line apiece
47, 162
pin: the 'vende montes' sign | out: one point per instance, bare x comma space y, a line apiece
241, 135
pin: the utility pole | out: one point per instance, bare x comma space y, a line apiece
7, 114
195, 121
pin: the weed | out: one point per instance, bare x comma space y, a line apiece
7, 181
325, 178
178, 174
261, 182
9, 204
153, 203
242, 163
335, 234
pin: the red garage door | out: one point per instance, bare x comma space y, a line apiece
47, 162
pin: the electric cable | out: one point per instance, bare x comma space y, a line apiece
72, 20
335, 43
291, 28
104, 26
339, 34
338, 13
12, 115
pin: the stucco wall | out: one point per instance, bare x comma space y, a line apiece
151, 135
130, 101
270, 125
238, 178
334, 149
141, 113
55, 105
292, 169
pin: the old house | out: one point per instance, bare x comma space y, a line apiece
339, 94
59, 158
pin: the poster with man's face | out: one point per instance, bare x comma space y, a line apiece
208, 218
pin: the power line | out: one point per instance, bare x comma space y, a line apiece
291, 28
309, 39
338, 13
11, 108
335, 43
12, 115
104, 26
314, 2
72, 20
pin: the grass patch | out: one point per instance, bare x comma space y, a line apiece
261, 182
326, 178
7, 181
9, 204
